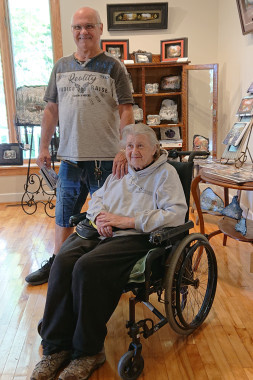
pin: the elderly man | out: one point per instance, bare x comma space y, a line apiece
89, 275
89, 94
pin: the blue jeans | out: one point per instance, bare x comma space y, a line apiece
74, 184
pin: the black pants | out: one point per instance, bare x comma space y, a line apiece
84, 288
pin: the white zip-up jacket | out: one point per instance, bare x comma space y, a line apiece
153, 196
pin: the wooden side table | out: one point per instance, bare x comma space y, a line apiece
225, 225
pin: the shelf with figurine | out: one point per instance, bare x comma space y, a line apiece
159, 92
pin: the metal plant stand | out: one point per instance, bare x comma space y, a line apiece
35, 185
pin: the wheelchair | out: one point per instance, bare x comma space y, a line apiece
182, 270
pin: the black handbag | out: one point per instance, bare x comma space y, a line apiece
86, 230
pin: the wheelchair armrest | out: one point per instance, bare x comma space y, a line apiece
75, 219
191, 153
158, 236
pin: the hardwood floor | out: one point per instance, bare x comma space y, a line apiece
220, 349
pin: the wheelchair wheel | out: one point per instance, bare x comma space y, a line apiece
130, 367
190, 283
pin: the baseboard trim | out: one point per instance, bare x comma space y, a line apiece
17, 197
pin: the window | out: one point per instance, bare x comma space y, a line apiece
4, 136
30, 31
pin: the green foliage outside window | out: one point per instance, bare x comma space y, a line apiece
31, 44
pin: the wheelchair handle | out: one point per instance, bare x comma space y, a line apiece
191, 153
75, 219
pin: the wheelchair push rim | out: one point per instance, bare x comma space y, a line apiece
190, 284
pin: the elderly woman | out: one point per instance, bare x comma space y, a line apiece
89, 275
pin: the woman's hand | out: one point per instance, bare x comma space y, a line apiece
107, 219
105, 231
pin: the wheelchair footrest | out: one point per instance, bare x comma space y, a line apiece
163, 320
142, 327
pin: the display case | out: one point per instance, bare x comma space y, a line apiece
193, 88
146, 75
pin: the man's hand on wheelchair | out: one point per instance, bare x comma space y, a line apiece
106, 220
120, 165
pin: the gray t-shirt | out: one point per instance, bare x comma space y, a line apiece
88, 95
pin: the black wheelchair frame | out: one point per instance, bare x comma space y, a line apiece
182, 270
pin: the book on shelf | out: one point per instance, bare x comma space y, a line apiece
171, 143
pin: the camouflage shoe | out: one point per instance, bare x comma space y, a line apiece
82, 368
49, 365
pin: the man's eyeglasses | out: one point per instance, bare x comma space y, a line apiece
87, 27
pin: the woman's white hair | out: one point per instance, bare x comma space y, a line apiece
141, 129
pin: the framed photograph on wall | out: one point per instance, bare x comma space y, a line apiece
117, 48
245, 10
11, 154
137, 16
172, 50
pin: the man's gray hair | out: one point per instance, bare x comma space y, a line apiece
141, 129
98, 17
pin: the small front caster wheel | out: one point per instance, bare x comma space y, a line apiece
130, 367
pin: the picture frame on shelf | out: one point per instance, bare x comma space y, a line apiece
117, 48
250, 89
245, 10
246, 107
143, 57
172, 50
138, 16
11, 154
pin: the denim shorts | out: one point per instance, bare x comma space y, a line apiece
74, 184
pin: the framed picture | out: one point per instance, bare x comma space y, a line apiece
234, 152
117, 48
30, 105
236, 133
246, 107
245, 10
250, 89
11, 154
137, 16
172, 50
143, 57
